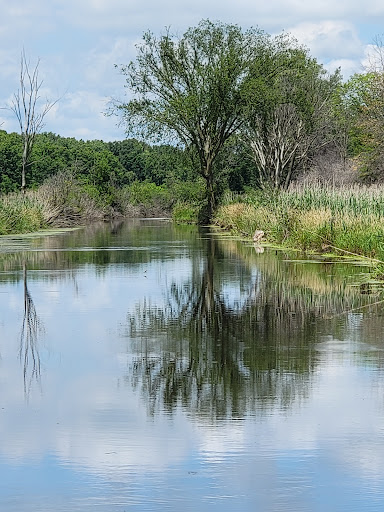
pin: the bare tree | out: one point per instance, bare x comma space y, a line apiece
280, 150
25, 105
375, 62
294, 120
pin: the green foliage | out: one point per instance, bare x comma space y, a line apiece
10, 161
203, 87
190, 89
130, 154
360, 110
187, 191
289, 112
96, 163
142, 162
348, 105
186, 213
188, 200
148, 194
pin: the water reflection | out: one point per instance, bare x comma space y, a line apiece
237, 336
263, 378
104, 244
31, 329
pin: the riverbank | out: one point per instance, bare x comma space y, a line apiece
348, 219
63, 201
316, 218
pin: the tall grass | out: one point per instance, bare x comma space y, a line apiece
60, 201
313, 218
20, 214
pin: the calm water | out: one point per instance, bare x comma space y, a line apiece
151, 367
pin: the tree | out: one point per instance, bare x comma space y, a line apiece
361, 111
190, 89
224, 354
350, 102
10, 148
29, 337
292, 118
25, 107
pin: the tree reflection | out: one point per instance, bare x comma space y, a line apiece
29, 337
220, 351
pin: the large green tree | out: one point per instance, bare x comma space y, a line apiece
360, 112
10, 166
191, 89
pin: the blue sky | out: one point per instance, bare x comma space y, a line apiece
79, 42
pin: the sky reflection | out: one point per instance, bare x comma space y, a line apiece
87, 439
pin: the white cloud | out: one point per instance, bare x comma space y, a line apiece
101, 60
348, 67
79, 107
138, 15
374, 55
329, 39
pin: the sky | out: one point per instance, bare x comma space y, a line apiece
78, 43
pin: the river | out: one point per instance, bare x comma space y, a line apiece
146, 366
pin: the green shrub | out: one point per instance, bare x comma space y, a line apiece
192, 192
185, 213
148, 194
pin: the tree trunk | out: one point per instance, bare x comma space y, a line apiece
207, 212
24, 166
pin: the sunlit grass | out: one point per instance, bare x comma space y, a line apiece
20, 214
313, 218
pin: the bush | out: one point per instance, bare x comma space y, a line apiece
65, 201
185, 213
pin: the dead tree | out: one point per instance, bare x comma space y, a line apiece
30, 115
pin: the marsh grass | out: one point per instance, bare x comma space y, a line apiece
20, 214
60, 201
313, 218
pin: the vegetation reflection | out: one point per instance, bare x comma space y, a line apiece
221, 353
29, 338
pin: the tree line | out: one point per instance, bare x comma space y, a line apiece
231, 107
95, 163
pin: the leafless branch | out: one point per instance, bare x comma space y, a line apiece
25, 106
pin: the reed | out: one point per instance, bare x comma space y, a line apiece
20, 214
313, 218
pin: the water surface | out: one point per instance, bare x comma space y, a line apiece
147, 366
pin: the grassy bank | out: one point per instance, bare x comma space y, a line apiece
312, 218
64, 201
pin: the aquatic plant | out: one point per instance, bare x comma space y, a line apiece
20, 214
313, 218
